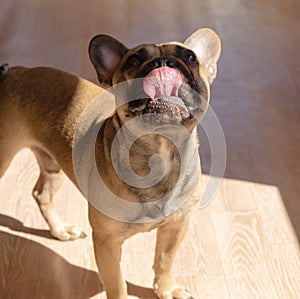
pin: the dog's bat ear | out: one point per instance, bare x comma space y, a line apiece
207, 46
105, 53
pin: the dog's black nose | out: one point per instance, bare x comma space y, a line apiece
157, 63
164, 61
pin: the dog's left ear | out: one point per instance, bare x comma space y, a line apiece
207, 46
105, 53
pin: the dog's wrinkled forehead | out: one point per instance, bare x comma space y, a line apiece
156, 50
146, 51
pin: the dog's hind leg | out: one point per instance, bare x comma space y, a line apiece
50, 179
6, 155
3, 165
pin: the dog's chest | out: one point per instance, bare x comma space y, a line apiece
166, 169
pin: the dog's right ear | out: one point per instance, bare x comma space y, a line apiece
207, 45
105, 53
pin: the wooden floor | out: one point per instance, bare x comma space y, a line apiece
245, 243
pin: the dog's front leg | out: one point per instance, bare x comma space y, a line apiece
108, 237
108, 256
169, 237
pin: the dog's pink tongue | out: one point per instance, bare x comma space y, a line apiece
162, 82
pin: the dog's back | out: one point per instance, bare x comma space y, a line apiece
38, 107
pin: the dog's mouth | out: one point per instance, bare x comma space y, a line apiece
162, 86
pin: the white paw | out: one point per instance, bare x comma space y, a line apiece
66, 232
176, 292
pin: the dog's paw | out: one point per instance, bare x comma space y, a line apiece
67, 232
175, 292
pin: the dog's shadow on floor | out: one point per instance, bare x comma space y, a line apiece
30, 270
140, 292
18, 226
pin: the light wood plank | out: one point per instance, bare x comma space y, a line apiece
207, 287
245, 255
237, 195
277, 225
287, 260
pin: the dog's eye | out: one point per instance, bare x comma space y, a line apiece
190, 57
132, 62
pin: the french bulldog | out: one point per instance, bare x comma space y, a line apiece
166, 87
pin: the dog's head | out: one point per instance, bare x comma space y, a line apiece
169, 81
